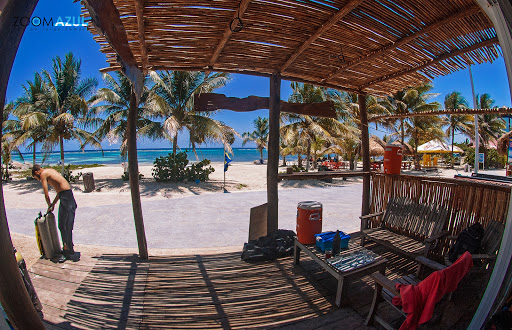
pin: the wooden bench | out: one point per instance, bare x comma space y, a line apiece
407, 228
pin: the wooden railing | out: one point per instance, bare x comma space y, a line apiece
467, 201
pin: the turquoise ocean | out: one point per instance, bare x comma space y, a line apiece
145, 156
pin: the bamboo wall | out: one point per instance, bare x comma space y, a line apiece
467, 201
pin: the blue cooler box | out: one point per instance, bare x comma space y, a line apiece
324, 240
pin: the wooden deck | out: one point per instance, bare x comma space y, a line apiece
212, 292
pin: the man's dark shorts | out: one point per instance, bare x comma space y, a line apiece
67, 209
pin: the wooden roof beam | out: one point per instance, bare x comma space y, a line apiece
106, 20
435, 60
227, 33
497, 111
324, 27
139, 11
400, 42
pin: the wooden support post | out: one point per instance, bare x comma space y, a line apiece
133, 170
365, 147
13, 295
273, 153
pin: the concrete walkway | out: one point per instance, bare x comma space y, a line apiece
210, 220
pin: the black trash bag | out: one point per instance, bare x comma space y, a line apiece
267, 248
468, 240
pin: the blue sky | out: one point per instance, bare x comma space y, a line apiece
40, 44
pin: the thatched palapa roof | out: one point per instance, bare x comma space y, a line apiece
503, 142
376, 146
361, 46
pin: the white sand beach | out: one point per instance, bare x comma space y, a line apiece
112, 195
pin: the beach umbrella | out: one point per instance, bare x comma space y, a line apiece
438, 147
503, 142
406, 147
376, 146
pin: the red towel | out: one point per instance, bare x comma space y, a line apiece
418, 301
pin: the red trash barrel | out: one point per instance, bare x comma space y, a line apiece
309, 221
392, 159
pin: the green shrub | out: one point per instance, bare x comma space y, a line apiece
69, 176
126, 176
494, 160
174, 168
297, 168
196, 171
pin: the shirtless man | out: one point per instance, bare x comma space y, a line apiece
67, 205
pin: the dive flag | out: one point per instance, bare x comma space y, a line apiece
227, 160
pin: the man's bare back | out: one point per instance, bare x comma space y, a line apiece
48, 176
54, 179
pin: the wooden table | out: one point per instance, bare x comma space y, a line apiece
342, 276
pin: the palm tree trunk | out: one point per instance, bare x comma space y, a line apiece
308, 156
299, 160
133, 170
34, 154
174, 144
195, 152
284, 160
7, 172
453, 138
61, 140
403, 130
261, 155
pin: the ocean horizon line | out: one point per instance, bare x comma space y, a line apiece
138, 149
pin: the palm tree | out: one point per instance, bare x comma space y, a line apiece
409, 100
9, 143
173, 98
347, 105
490, 126
457, 123
421, 129
259, 135
33, 119
114, 106
305, 129
65, 101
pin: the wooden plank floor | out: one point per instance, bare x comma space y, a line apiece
213, 292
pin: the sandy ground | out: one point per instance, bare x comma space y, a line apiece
112, 190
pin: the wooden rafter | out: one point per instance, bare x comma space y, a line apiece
403, 41
139, 11
228, 32
435, 60
252, 73
497, 111
106, 19
324, 27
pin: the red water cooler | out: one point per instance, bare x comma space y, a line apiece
309, 221
392, 159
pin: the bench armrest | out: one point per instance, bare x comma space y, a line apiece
484, 256
437, 236
385, 282
430, 263
368, 216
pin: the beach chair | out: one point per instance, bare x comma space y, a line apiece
403, 293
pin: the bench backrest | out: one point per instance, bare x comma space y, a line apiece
493, 234
415, 220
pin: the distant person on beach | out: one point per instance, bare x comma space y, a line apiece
67, 205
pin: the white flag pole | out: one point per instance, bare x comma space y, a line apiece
224, 169
477, 139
